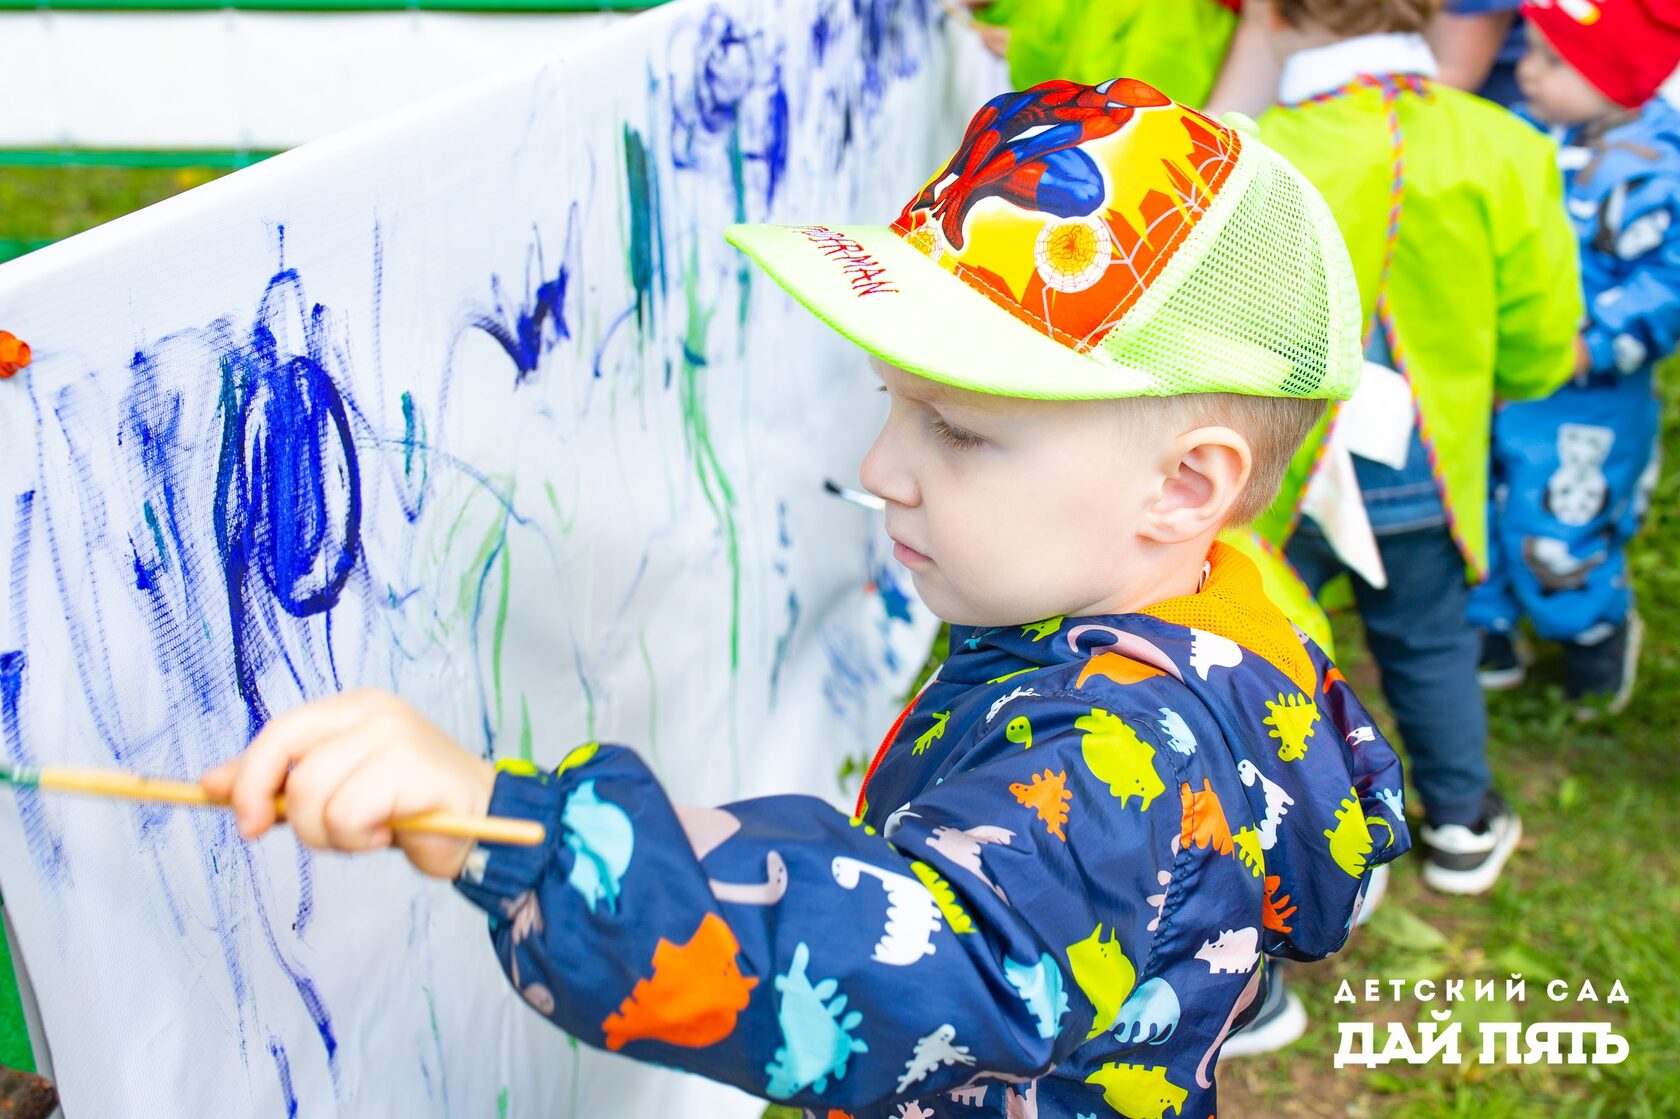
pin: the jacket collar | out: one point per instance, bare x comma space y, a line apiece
1231, 603
1320, 70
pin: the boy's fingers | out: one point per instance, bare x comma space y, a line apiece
287, 738
357, 814
218, 782
315, 778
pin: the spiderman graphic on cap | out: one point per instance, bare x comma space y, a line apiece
1024, 148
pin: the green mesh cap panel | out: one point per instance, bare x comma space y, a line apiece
1260, 300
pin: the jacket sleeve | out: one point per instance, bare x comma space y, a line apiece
1537, 273
1637, 322
780, 946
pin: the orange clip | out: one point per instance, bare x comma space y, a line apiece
14, 353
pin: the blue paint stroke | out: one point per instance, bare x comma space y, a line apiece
893, 36
529, 327
823, 33
783, 641
784, 544
305, 986
283, 1068
46, 846
728, 92
150, 427
288, 490
891, 592
607, 336
306, 891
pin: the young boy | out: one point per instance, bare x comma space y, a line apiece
1573, 472
1453, 215
1103, 327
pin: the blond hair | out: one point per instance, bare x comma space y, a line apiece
1358, 17
1274, 426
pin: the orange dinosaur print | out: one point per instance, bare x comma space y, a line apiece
692, 999
1120, 669
1049, 795
1277, 910
1204, 819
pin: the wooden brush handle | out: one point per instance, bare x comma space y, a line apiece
129, 786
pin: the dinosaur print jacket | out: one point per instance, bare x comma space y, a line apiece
1075, 849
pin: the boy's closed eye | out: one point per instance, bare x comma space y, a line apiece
951, 434
957, 438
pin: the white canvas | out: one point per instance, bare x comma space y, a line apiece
474, 404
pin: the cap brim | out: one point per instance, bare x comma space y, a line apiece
907, 310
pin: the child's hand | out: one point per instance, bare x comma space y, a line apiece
1583, 356
995, 39
348, 766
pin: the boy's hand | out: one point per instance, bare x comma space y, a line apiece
348, 766
1583, 356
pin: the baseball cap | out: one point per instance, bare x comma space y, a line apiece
1091, 242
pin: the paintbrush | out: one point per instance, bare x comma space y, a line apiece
130, 786
856, 497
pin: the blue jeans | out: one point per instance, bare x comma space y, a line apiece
1420, 636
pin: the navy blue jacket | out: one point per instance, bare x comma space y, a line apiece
1077, 846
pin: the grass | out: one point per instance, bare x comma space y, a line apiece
39, 205
14, 1036
1593, 894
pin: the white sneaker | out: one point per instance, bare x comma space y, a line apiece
1280, 1021
1461, 860
1376, 888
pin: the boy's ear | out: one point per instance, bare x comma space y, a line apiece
1203, 473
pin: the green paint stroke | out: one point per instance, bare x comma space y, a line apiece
474, 574
501, 623
653, 700
414, 438
738, 177
157, 536
524, 728
564, 522
714, 483
437, 1043
646, 251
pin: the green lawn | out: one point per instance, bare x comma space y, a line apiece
43, 204
1593, 894
14, 1038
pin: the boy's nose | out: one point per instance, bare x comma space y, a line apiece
883, 472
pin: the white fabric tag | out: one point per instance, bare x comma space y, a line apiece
1334, 501
1377, 422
